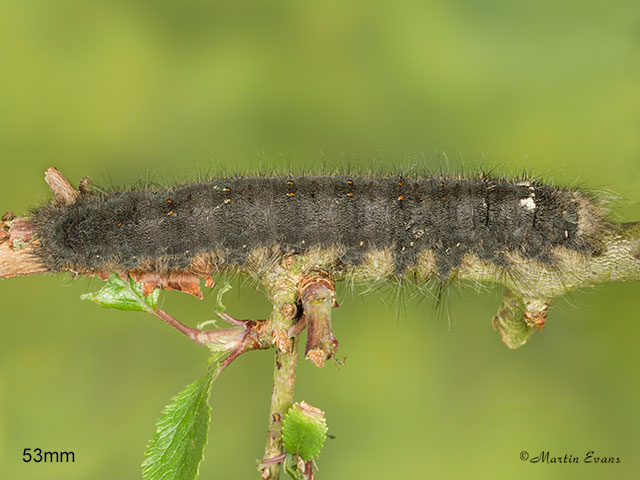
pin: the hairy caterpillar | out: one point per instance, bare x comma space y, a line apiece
431, 224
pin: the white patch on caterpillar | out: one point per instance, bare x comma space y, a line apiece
528, 275
528, 203
377, 265
426, 262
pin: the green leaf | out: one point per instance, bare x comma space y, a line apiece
176, 449
117, 293
304, 430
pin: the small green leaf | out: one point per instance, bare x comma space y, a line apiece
176, 449
117, 293
304, 430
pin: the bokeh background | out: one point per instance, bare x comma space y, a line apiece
130, 90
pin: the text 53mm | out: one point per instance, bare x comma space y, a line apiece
38, 455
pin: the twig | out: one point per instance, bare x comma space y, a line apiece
282, 286
192, 333
245, 336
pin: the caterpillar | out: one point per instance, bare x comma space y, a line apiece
390, 225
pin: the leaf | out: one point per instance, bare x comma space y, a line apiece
176, 449
117, 293
304, 430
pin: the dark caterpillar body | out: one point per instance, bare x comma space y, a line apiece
449, 216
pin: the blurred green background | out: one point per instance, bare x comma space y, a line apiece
124, 90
